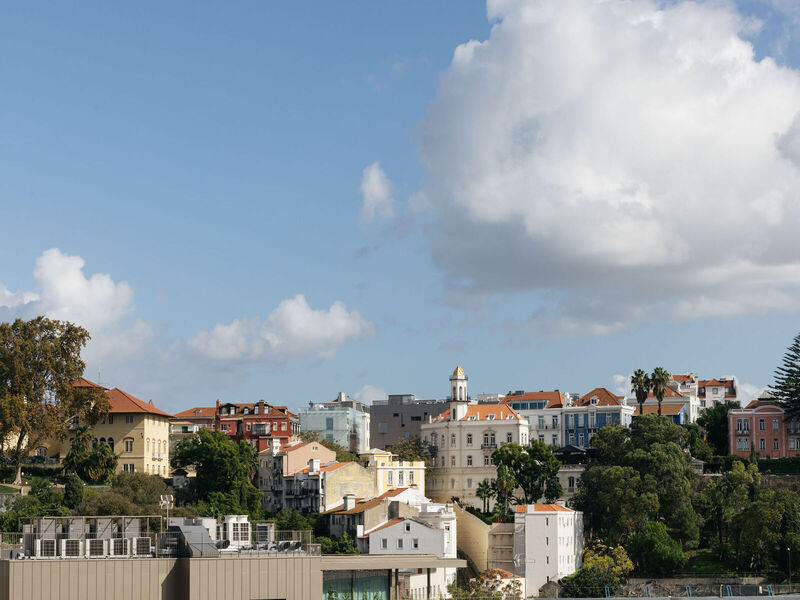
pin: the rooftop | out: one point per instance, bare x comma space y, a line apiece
482, 412
123, 402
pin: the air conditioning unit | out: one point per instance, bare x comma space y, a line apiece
96, 548
119, 547
45, 548
71, 548
142, 546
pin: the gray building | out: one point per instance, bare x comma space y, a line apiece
400, 417
343, 420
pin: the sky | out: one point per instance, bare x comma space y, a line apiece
285, 201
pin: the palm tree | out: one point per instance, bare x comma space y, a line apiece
505, 485
484, 492
640, 386
659, 380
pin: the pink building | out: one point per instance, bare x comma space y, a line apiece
761, 424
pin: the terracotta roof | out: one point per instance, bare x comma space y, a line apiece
324, 468
123, 402
683, 378
502, 573
481, 412
392, 493
554, 399
668, 393
198, 412
713, 382
382, 526
604, 398
666, 409
361, 506
82, 382
523, 508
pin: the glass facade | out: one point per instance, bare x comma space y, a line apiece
355, 585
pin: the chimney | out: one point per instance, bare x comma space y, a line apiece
342, 397
349, 502
313, 466
561, 503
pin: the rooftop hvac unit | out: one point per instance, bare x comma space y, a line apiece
96, 548
120, 547
142, 547
131, 527
45, 548
71, 548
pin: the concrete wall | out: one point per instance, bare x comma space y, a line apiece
501, 546
473, 538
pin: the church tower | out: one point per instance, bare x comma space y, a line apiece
458, 385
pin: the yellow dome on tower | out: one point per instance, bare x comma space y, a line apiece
459, 372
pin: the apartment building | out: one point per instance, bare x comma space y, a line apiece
543, 412
256, 422
548, 539
319, 487
762, 426
584, 417
391, 473
462, 440
279, 460
713, 391
343, 420
400, 417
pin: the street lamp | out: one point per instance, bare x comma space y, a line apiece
789, 553
166, 504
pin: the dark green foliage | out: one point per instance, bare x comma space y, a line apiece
786, 388
589, 582
291, 519
342, 453
73, 492
654, 552
714, 420
341, 545
143, 490
109, 503
659, 381
640, 386
411, 449
697, 445
225, 471
534, 469
91, 462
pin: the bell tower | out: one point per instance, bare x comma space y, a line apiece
458, 385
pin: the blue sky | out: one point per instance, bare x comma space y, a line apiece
209, 161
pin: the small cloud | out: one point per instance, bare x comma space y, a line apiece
369, 393
376, 193
365, 251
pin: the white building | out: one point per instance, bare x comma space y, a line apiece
714, 391
462, 440
343, 420
548, 543
543, 412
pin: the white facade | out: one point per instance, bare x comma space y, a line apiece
548, 543
543, 412
343, 420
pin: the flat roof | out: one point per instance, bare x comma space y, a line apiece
350, 562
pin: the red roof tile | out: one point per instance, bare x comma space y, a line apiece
666, 409
123, 402
522, 508
82, 382
604, 398
554, 399
668, 393
481, 412
382, 526
198, 412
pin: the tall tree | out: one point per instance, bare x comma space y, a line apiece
534, 467
714, 420
659, 381
504, 484
786, 388
484, 492
39, 359
410, 449
640, 386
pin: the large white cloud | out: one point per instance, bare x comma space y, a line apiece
293, 329
376, 193
625, 160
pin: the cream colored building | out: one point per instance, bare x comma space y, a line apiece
391, 473
462, 440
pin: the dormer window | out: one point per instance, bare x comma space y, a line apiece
471, 418
491, 417
594, 400
247, 411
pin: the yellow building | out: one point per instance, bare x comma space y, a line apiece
390, 473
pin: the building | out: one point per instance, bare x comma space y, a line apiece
391, 473
256, 423
202, 416
548, 539
677, 412
280, 460
400, 417
319, 487
713, 391
543, 412
343, 420
762, 426
584, 417
461, 441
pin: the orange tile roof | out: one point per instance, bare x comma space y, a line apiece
502, 573
666, 409
123, 402
668, 393
361, 506
324, 468
554, 399
82, 382
683, 378
604, 398
382, 526
392, 493
712, 382
481, 412
198, 412
522, 508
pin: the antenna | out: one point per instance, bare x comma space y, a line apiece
166, 503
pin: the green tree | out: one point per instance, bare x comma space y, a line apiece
224, 467
109, 503
589, 582
290, 519
659, 381
411, 449
613, 560
39, 359
505, 485
714, 420
754, 536
698, 447
342, 453
143, 490
90, 461
102, 463
654, 552
786, 389
534, 468
73, 492
640, 386
341, 545
484, 492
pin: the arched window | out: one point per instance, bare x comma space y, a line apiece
41, 451
102, 439
111, 443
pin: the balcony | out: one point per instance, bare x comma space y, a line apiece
489, 445
742, 431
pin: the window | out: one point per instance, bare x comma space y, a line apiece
329, 423
761, 425
389, 477
383, 427
248, 427
147, 445
762, 444
509, 437
469, 460
580, 439
775, 424
399, 543
555, 439
570, 484
416, 418
775, 444
452, 439
110, 443
547, 541
408, 526
400, 478
411, 478
491, 417
541, 438
469, 483
555, 422
541, 423
415, 543
742, 426
469, 439
453, 461
283, 426
485, 461
384, 543
110, 419
128, 419
572, 438
128, 467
